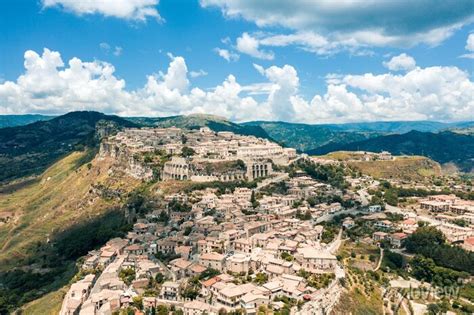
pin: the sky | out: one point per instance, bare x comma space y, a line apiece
308, 61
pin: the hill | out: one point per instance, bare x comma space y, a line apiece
400, 126
30, 149
47, 224
305, 137
21, 120
443, 147
402, 167
196, 121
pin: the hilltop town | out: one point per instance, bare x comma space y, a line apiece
256, 228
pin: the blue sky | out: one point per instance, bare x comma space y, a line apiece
289, 60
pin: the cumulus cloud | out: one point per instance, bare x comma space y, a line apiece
50, 86
250, 45
400, 62
226, 54
356, 23
469, 47
138, 10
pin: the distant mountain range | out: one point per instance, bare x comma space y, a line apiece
305, 137
401, 126
21, 120
443, 147
29, 148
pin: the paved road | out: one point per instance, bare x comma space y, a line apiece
280, 177
112, 268
329, 216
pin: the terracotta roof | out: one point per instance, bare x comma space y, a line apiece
399, 235
210, 282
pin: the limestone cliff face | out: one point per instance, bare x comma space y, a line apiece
137, 169
125, 160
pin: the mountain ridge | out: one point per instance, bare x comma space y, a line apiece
443, 147
30, 149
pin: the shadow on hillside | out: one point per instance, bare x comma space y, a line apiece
50, 266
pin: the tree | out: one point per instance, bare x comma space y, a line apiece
162, 310
253, 200
188, 230
163, 217
138, 302
187, 152
286, 256
160, 278
127, 275
209, 273
261, 278
391, 197
424, 237
393, 260
433, 309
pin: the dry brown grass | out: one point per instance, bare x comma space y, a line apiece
59, 199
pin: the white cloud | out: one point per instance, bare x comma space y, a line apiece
176, 76
470, 42
226, 54
469, 47
356, 23
400, 62
308, 41
250, 45
138, 10
197, 74
49, 86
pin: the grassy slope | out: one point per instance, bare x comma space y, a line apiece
58, 200
406, 167
362, 295
50, 304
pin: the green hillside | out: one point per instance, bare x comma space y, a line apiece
305, 137
28, 150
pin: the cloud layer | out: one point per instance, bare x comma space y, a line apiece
124, 9
49, 86
328, 27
